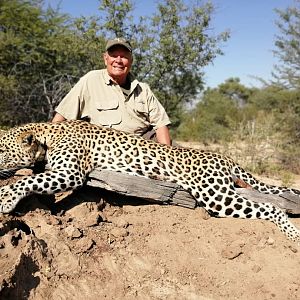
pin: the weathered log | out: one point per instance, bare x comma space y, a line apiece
171, 193
135, 186
288, 202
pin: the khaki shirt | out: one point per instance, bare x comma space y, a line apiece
96, 96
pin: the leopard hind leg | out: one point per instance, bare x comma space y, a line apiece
237, 206
259, 185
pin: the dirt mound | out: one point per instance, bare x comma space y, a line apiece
96, 245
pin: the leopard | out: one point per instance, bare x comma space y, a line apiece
72, 149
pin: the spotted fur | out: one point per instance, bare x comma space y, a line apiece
75, 148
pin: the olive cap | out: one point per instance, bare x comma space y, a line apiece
119, 42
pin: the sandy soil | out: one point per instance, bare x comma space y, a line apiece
96, 245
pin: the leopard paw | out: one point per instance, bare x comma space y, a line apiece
8, 199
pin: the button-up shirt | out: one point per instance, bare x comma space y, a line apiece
97, 97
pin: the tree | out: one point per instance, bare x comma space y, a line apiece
218, 114
118, 21
238, 93
287, 72
42, 54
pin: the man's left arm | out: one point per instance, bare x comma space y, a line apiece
163, 135
158, 118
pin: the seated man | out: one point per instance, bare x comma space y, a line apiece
113, 97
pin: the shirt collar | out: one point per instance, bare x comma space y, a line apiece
107, 78
109, 81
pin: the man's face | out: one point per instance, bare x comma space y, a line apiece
118, 61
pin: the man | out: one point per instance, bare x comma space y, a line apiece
112, 97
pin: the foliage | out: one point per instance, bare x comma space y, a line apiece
118, 21
171, 47
287, 45
258, 119
217, 114
178, 56
285, 104
43, 52
263, 118
41, 56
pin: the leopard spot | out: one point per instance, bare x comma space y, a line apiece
247, 210
228, 211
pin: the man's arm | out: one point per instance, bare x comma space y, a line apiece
58, 118
163, 135
158, 117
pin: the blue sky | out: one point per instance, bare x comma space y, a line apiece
248, 53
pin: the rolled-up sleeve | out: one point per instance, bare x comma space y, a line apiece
157, 114
72, 104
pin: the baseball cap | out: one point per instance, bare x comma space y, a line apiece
120, 42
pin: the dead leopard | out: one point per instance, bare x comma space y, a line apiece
75, 148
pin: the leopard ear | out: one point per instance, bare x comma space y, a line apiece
2, 132
28, 139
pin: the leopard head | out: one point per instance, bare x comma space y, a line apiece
18, 149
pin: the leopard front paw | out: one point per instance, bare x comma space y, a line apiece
8, 199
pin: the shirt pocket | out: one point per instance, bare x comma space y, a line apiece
108, 109
109, 117
140, 108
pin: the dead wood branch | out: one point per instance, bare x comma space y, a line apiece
171, 193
